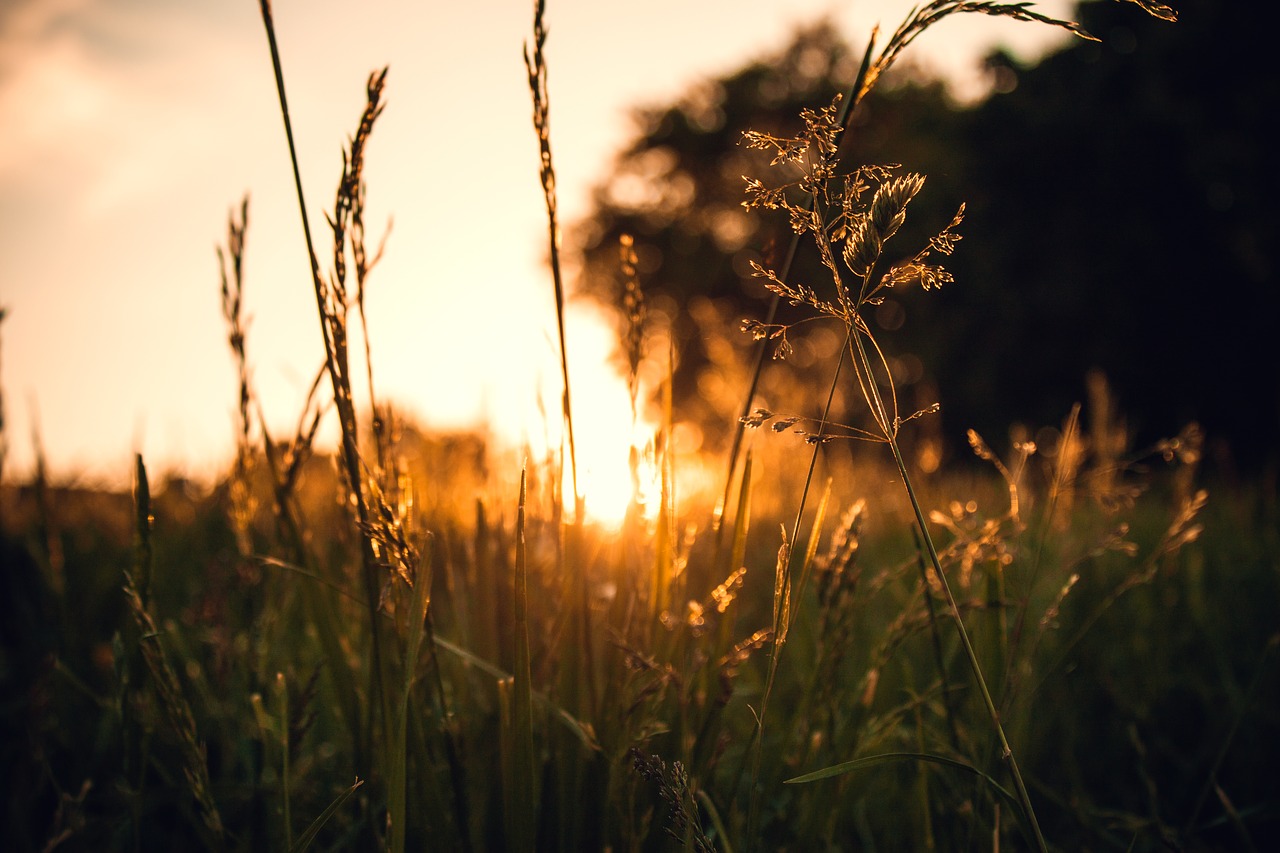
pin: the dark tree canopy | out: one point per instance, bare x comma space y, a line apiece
678, 190
1116, 222
1119, 221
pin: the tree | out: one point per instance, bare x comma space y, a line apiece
1119, 221
1116, 221
678, 191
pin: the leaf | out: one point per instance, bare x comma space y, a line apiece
304, 840
885, 758
782, 592
815, 533
523, 779
1159, 10
867, 761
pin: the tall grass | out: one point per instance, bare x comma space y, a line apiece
887, 669
835, 211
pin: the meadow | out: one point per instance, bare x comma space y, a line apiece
416, 640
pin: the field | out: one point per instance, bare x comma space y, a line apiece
814, 639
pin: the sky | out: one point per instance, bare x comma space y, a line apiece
131, 128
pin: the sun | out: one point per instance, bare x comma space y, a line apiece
606, 482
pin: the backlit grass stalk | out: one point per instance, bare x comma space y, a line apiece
834, 214
523, 779
231, 269
330, 304
575, 570
856, 92
782, 596
1006, 752
536, 67
397, 800
842, 214
174, 709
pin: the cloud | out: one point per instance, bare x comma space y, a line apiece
97, 98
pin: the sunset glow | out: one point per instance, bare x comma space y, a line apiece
133, 128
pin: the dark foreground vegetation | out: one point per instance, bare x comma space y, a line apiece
1133, 660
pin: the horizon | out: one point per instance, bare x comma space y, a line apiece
136, 129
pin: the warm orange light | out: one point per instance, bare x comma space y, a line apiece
605, 478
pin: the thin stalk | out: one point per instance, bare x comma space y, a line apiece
536, 67
283, 688
341, 389
782, 585
1006, 752
936, 638
1211, 778
575, 571
523, 781
453, 756
847, 105
397, 745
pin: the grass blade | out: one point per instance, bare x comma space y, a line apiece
397, 782
333, 331
888, 757
523, 790
173, 705
306, 838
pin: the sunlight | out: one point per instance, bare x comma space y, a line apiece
606, 435
603, 428
605, 478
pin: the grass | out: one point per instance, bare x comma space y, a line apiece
397, 647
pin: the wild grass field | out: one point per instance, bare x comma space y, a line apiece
417, 640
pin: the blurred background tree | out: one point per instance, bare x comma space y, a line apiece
1117, 221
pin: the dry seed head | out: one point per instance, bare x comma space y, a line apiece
1050, 617
980, 448
862, 248
739, 653
763, 197
930, 276
887, 212
1159, 10
757, 330
888, 207
723, 595
634, 308
834, 570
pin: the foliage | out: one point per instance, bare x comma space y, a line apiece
1083, 177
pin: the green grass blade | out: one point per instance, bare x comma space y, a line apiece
282, 689
815, 535
397, 783
888, 757
737, 551
524, 822
582, 731
306, 838
722, 834
742, 519
142, 531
